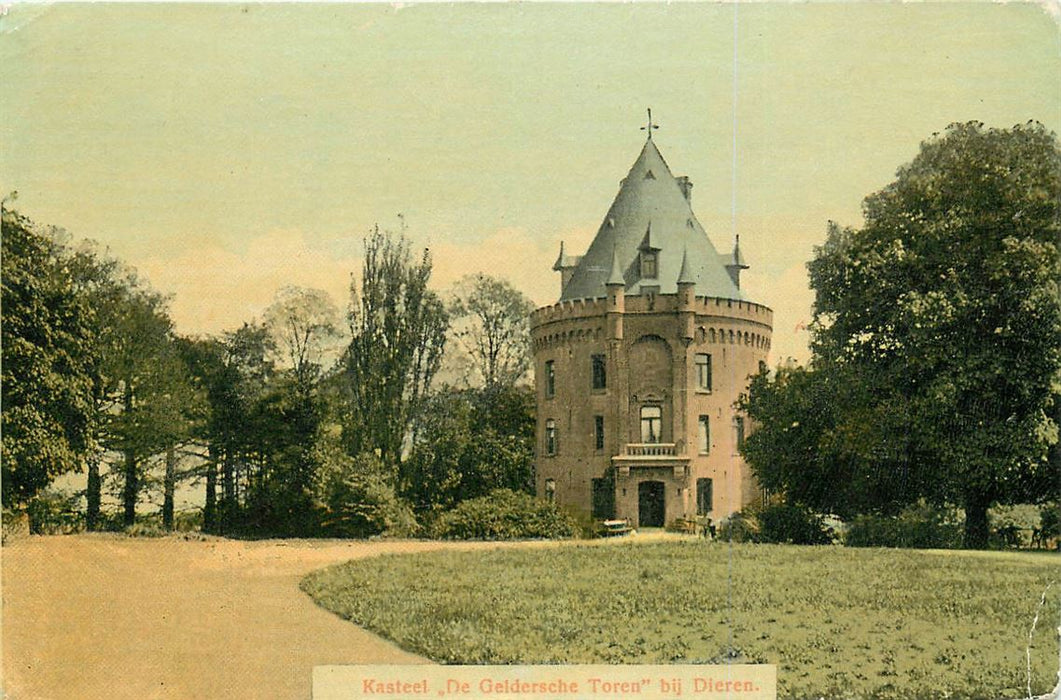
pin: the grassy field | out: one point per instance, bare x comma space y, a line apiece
837, 622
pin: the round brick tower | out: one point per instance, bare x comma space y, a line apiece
638, 365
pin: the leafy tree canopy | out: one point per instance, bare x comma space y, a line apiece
491, 324
48, 374
937, 325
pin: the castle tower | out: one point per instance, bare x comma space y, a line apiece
638, 365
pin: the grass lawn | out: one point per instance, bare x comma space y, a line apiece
837, 622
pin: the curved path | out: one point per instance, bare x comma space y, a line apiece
106, 616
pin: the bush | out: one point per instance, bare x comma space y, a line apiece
1049, 525
505, 515
1013, 526
360, 501
739, 527
15, 524
789, 524
919, 527
54, 513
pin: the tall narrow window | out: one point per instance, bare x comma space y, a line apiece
651, 423
703, 435
649, 268
704, 497
600, 372
738, 432
550, 379
550, 437
703, 372
550, 490
598, 432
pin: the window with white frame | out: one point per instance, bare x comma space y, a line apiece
651, 423
703, 371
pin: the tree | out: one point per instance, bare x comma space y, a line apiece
469, 443
358, 496
47, 414
944, 307
823, 443
144, 398
302, 324
154, 398
398, 332
491, 322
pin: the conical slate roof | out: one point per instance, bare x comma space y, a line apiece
651, 206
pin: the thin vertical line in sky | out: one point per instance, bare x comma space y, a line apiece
733, 206
733, 224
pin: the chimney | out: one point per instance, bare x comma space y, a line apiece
687, 187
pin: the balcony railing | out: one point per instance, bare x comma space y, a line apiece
650, 449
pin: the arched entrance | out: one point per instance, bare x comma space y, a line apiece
650, 504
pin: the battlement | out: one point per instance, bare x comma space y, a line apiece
569, 309
733, 309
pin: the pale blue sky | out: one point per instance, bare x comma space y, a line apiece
226, 150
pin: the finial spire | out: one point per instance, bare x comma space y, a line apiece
650, 126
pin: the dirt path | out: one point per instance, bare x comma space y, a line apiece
97, 616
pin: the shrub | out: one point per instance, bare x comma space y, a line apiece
360, 501
188, 520
54, 513
783, 523
15, 524
1013, 526
739, 527
1049, 524
145, 528
505, 515
919, 526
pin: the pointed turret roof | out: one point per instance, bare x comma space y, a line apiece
685, 275
652, 211
565, 261
616, 274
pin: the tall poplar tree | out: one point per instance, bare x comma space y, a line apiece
398, 332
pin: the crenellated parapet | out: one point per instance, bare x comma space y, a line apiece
655, 303
568, 309
715, 320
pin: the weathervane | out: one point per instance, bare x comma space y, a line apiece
650, 126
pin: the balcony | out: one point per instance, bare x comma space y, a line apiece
650, 449
652, 455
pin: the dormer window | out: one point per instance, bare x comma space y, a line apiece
648, 256
649, 264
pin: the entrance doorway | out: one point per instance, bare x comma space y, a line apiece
650, 504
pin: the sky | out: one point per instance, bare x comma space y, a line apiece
229, 150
